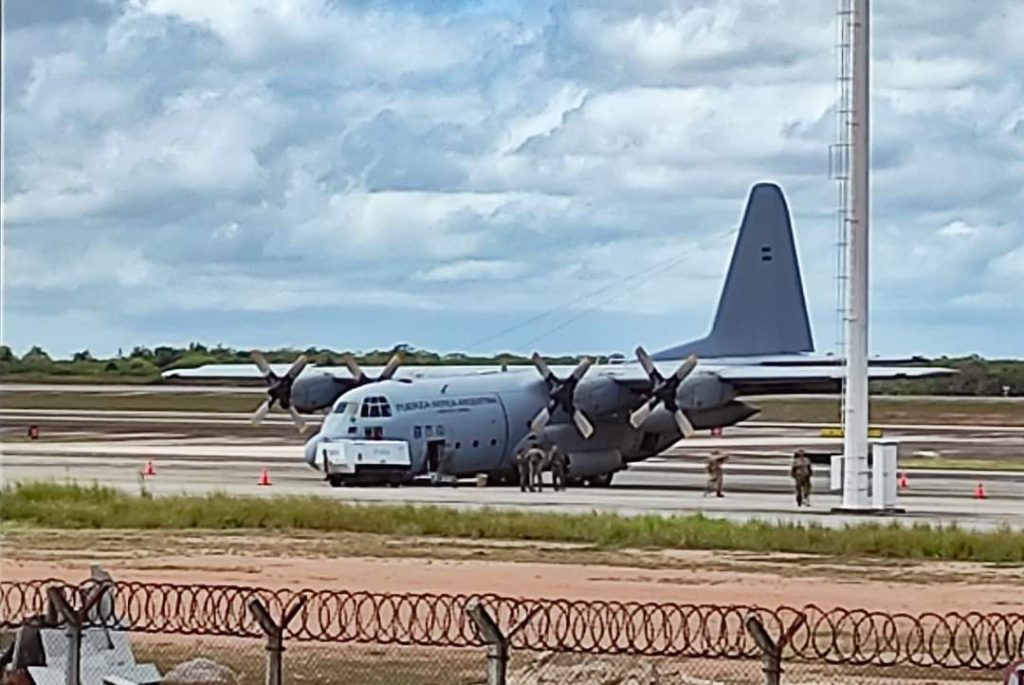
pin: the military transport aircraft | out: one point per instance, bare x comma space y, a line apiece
605, 416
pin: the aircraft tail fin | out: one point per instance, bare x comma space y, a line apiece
762, 310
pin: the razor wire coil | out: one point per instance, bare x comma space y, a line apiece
971, 640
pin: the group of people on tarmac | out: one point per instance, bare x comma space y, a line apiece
799, 470
536, 458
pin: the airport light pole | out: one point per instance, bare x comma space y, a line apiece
855, 418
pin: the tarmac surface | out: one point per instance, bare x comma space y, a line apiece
203, 452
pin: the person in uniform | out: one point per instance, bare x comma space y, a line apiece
535, 457
801, 471
523, 466
556, 458
715, 474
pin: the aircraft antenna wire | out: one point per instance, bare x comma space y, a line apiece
646, 274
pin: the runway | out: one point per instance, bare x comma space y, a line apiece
204, 452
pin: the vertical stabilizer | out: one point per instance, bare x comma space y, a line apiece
762, 310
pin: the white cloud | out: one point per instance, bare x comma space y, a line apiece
63, 268
270, 29
205, 161
473, 270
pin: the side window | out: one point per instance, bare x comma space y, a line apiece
429, 430
367, 433
417, 432
440, 430
365, 410
385, 410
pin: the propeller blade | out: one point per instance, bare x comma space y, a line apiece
541, 365
637, 418
297, 419
581, 369
353, 367
646, 362
687, 367
583, 424
261, 411
392, 366
685, 427
297, 366
261, 363
540, 420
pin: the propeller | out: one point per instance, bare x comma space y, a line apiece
560, 395
360, 376
279, 389
663, 390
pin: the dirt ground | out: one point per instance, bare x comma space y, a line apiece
375, 563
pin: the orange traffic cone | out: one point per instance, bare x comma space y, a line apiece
150, 470
979, 491
903, 482
264, 477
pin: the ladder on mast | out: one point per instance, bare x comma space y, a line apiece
839, 170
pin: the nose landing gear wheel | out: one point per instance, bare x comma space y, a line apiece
602, 481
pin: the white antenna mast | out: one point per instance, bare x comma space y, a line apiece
855, 396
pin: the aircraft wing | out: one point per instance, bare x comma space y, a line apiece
777, 380
240, 372
758, 379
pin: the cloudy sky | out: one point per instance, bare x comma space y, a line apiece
492, 174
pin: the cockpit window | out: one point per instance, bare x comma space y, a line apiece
374, 407
341, 408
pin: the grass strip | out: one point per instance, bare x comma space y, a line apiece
73, 506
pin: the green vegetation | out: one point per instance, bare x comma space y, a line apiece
896, 410
72, 506
976, 377
144, 365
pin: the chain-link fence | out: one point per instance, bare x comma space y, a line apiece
175, 633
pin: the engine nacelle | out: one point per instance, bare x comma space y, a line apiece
704, 392
600, 396
315, 392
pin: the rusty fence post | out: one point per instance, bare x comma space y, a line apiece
75, 620
770, 649
274, 632
497, 642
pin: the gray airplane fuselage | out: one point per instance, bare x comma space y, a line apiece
485, 420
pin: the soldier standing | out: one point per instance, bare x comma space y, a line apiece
523, 466
558, 467
536, 457
715, 474
800, 470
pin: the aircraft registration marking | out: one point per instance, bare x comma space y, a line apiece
445, 403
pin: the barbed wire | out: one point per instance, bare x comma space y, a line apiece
837, 636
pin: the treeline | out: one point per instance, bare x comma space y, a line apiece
143, 364
976, 375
